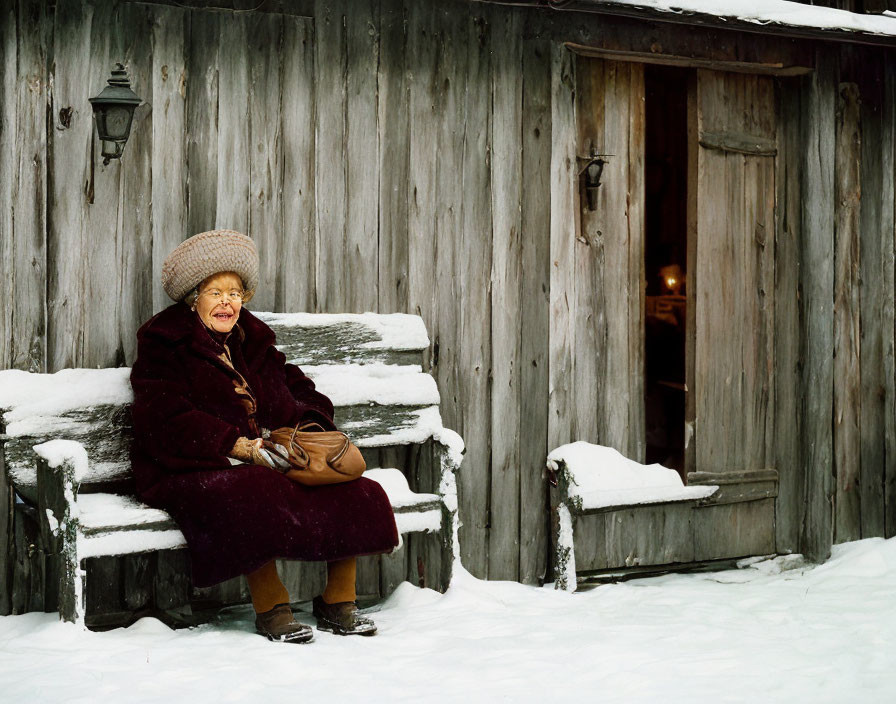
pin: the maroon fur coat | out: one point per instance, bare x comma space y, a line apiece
187, 416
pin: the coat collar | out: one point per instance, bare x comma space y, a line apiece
178, 323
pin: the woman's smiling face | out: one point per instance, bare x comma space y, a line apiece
220, 300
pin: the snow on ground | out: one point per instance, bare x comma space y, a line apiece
774, 631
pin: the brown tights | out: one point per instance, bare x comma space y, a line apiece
267, 590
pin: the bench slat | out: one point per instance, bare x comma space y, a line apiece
377, 405
110, 465
109, 513
322, 338
115, 525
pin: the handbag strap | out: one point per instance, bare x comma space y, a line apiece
307, 427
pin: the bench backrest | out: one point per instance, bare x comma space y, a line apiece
369, 364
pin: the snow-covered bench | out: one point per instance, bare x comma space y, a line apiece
81, 543
610, 512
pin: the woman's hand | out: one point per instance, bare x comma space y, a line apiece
260, 452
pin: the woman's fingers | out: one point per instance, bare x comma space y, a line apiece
264, 458
279, 454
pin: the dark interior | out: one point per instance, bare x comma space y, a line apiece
665, 257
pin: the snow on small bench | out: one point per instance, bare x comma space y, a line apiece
600, 477
595, 480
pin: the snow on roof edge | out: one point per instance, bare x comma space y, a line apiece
768, 12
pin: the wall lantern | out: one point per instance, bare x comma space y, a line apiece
592, 168
113, 111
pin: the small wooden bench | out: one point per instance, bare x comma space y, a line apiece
601, 532
80, 543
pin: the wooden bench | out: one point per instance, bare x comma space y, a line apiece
607, 532
80, 543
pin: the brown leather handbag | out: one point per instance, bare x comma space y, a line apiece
319, 456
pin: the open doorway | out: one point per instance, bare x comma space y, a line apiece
665, 259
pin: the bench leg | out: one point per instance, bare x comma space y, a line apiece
71, 592
564, 550
57, 493
448, 466
448, 536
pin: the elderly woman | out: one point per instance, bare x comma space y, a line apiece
208, 382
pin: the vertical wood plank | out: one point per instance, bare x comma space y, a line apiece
170, 35
535, 223
71, 187
423, 124
171, 583
788, 390
734, 373
847, 404
505, 287
614, 204
8, 141
135, 228
634, 415
393, 144
303, 580
624, 274
367, 581
362, 189
760, 209
266, 155
609, 259
330, 155
393, 570
297, 96
816, 274
714, 378
202, 122
595, 78
27, 244
106, 593
695, 175
888, 233
100, 232
564, 205
232, 207
871, 302
475, 256
135, 579
450, 79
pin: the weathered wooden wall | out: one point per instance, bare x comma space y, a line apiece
385, 155
393, 155
835, 286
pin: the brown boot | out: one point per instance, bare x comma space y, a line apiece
342, 619
278, 624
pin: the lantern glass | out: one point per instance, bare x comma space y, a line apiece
595, 169
112, 150
118, 121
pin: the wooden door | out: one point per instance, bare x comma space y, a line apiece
731, 272
731, 311
606, 284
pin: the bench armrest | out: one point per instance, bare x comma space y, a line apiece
449, 449
61, 464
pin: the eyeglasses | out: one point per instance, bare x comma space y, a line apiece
234, 296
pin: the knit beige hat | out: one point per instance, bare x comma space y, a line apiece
206, 254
